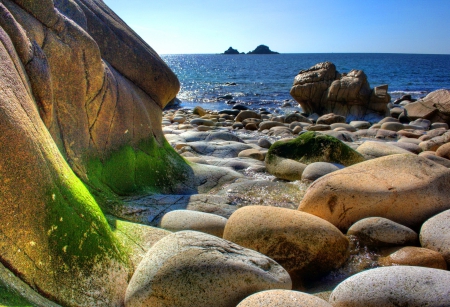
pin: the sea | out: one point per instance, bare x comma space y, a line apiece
218, 81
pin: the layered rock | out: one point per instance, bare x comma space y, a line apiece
322, 89
434, 107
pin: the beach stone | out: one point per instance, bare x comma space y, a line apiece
318, 127
372, 150
198, 110
347, 127
269, 124
229, 112
283, 298
439, 126
443, 151
318, 169
386, 134
414, 256
388, 120
253, 154
225, 149
411, 147
392, 126
366, 133
360, 124
394, 286
344, 136
202, 122
296, 117
435, 107
237, 126
414, 141
297, 130
247, 114
205, 128
404, 188
381, 232
179, 220
251, 127
410, 134
286, 169
432, 156
421, 122
329, 119
435, 234
305, 245
396, 111
177, 269
264, 143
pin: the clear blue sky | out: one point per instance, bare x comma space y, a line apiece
290, 26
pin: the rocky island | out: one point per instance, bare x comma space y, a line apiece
231, 51
262, 49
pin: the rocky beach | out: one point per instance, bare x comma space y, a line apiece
338, 197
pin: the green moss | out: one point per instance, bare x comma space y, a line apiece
11, 298
313, 147
146, 168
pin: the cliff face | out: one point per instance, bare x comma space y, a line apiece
80, 113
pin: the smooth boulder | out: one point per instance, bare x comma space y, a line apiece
435, 234
283, 298
179, 220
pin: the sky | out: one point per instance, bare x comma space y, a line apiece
290, 26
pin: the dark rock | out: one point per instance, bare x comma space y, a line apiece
262, 49
231, 51
240, 107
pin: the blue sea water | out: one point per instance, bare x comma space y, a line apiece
265, 80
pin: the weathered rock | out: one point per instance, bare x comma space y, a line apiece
411, 147
179, 220
435, 234
360, 124
381, 232
199, 111
321, 89
318, 169
443, 151
372, 150
414, 256
269, 124
406, 189
247, 114
254, 154
282, 298
394, 286
320, 127
329, 119
178, 268
305, 245
435, 107
431, 155
392, 126
295, 117
223, 149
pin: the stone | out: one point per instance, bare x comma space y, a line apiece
329, 119
251, 127
360, 124
439, 126
394, 286
435, 234
318, 169
199, 111
424, 123
202, 122
404, 188
433, 157
254, 154
296, 117
414, 256
392, 126
225, 149
411, 147
372, 150
318, 127
388, 120
179, 220
264, 143
435, 107
178, 268
443, 151
247, 114
381, 232
347, 127
305, 245
283, 298
286, 169
269, 124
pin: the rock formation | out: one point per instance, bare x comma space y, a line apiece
262, 49
231, 51
434, 107
80, 116
322, 89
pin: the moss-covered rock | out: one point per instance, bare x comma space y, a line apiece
308, 148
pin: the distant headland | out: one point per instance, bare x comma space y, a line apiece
261, 49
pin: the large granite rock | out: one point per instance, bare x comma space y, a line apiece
434, 107
405, 188
80, 116
322, 89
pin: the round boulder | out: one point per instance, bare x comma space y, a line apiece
329, 119
394, 286
318, 169
283, 298
305, 245
372, 149
435, 234
381, 232
414, 256
179, 220
190, 268
443, 151
406, 189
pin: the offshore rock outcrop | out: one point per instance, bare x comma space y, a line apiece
322, 89
80, 117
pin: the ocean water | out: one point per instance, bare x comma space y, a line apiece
264, 81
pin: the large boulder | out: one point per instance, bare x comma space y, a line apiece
434, 107
305, 245
307, 148
321, 89
190, 268
405, 188
394, 286
435, 234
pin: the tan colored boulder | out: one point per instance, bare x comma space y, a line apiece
253, 154
434, 107
414, 256
286, 169
329, 119
434, 143
406, 189
394, 286
190, 268
443, 151
305, 245
435, 234
283, 298
392, 126
373, 150
381, 232
247, 114
179, 220
431, 155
